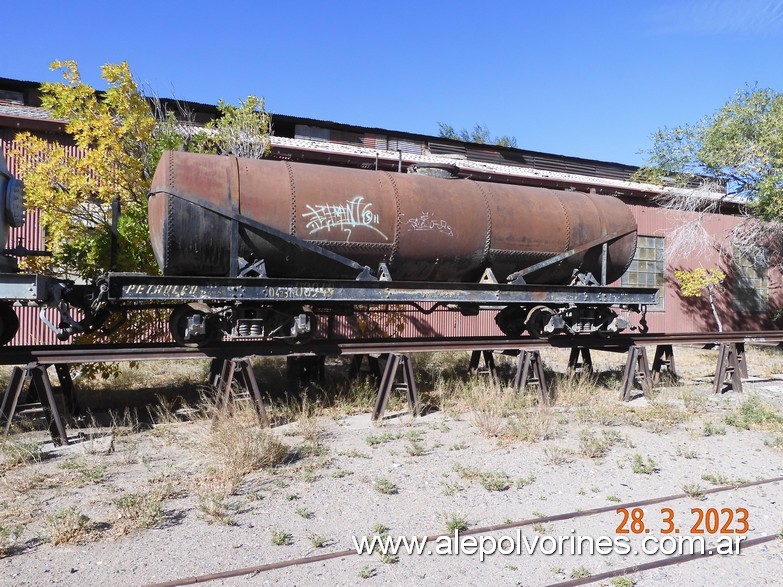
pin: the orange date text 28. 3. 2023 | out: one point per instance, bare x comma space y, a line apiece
699, 521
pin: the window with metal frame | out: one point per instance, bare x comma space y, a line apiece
751, 280
648, 266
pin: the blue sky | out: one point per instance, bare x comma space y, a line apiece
589, 79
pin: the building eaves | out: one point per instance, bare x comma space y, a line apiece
336, 153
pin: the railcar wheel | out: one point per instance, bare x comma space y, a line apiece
9, 324
511, 321
192, 326
537, 320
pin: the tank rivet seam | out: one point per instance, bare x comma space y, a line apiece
488, 238
397, 220
292, 228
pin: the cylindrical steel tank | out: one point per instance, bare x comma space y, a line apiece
11, 210
424, 228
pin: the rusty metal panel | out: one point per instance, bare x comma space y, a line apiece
406, 146
423, 228
32, 330
373, 141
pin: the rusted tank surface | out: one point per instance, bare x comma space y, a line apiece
423, 228
11, 209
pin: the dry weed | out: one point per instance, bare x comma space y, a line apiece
575, 390
490, 404
755, 413
13, 455
139, 510
593, 446
557, 455
533, 424
237, 445
164, 411
695, 401
125, 422
14, 518
658, 416
68, 526
216, 510
308, 425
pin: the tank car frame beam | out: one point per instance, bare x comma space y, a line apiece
134, 288
29, 288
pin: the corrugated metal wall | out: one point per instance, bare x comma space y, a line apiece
32, 329
693, 314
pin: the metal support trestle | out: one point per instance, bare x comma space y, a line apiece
729, 369
489, 364
222, 376
372, 364
577, 368
39, 400
637, 368
530, 371
664, 357
397, 364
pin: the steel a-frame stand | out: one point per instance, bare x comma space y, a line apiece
397, 364
224, 373
40, 398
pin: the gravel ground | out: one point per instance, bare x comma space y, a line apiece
160, 509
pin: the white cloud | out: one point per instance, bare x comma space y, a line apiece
720, 17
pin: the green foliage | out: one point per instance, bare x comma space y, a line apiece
755, 413
74, 190
241, 130
740, 145
693, 282
640, 467
119, 136
119, 140
480, 134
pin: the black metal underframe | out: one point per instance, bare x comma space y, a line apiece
143, 288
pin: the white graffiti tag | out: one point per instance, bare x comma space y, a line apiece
426, 222
354, 213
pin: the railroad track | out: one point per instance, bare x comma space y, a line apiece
500, 527
71, 354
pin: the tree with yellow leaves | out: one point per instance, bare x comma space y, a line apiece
119, 141
114, 135
119, 136
694, 282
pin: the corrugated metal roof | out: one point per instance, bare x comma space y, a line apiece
11, 109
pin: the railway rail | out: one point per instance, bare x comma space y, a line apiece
73, 354
500, 527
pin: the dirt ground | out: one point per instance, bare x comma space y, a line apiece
172, 492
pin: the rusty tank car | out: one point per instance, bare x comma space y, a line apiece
257, 248
260, 249
422, 228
